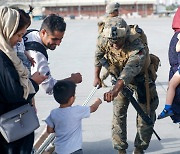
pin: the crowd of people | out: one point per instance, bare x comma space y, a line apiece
121, 51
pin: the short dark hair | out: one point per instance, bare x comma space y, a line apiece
53, 23
63, 90
24, 20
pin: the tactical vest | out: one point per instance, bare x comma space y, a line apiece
117, 59
33, 45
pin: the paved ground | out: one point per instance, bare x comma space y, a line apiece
76, 54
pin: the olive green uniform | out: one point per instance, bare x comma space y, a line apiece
128, 64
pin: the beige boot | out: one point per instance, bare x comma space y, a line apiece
122, 151
138, 151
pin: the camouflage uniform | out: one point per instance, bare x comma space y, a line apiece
101, 24
110, 9
128, 64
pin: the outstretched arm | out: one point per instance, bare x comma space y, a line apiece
109, 96
75, 77
132, 68
95, 106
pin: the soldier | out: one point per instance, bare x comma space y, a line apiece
125, 55
112, 10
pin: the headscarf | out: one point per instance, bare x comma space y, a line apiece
176, 21
9, 21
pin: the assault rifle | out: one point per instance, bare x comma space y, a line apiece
128, 93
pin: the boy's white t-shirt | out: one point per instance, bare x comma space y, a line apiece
68, 128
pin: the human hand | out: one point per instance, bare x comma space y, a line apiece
32, 61
95, 106
97, 82
30, 58
109, 96
98, 100
76, 77
38, 78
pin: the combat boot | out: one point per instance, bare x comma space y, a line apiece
122, 151
138, 151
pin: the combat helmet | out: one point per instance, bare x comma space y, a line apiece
111, 7
114, 28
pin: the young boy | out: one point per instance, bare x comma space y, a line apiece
65, 121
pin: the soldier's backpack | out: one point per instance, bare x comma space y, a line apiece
153, 61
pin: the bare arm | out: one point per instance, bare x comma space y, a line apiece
38, 77
30, 58
75, 77
95, 106
50, 130
109, 96
97, 80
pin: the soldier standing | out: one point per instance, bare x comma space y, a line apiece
126, 57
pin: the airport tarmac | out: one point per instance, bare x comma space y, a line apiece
76, 54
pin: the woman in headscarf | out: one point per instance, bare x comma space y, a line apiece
16, 89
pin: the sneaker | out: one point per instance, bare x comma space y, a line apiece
122, 151
138, 151
165, 113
